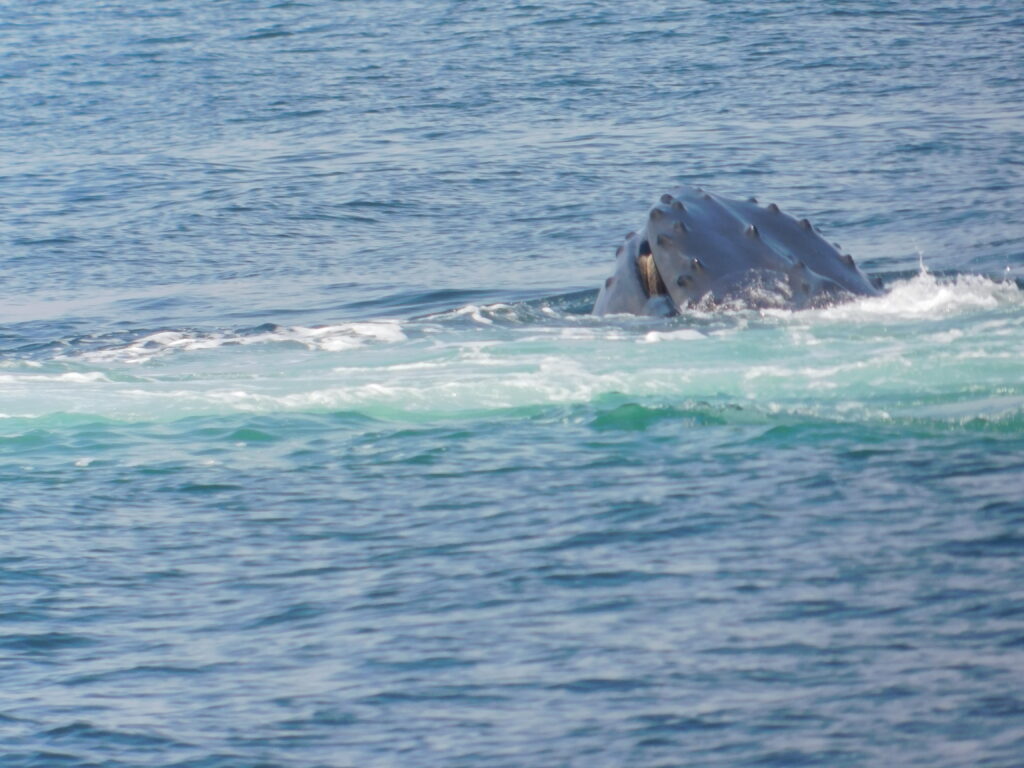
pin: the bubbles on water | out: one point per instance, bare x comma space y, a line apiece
331, 338
868, 358
684, 334
926, 295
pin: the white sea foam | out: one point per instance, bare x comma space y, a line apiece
473, 312
684, 334
87, 377
71, 377
806, 360
331, 338
928, 296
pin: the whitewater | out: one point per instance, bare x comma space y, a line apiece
941, 349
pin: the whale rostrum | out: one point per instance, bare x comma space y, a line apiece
699, 249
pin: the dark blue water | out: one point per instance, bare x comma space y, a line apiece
311, 454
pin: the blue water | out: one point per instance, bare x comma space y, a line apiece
311, 454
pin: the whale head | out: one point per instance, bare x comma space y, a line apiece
699, 249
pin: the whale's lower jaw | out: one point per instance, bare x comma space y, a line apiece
703, 250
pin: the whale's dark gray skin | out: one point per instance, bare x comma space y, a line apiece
700, 249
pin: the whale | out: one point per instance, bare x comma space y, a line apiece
699, 250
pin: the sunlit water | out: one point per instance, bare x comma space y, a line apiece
312, 455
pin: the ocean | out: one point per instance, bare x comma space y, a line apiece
312, 454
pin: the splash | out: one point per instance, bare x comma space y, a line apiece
926, 295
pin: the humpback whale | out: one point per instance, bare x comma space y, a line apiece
698, 249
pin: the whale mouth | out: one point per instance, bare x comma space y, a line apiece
647, 271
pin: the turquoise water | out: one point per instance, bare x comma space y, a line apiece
312, 455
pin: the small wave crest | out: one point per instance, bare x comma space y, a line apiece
926, 295
330, 338
537, 311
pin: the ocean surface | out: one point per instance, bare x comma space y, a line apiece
311, 454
